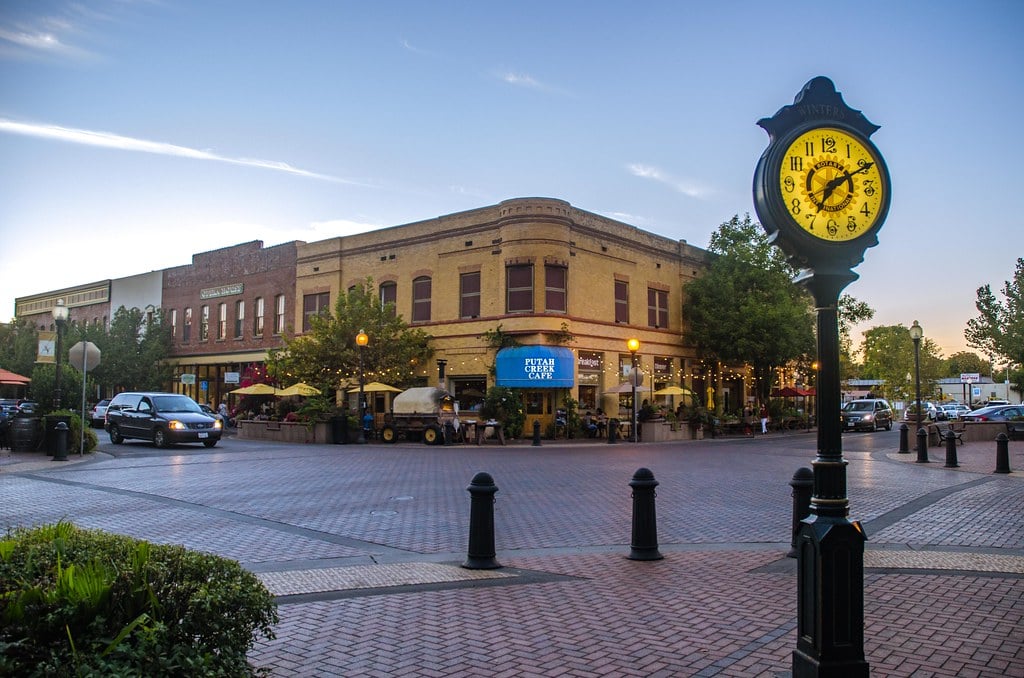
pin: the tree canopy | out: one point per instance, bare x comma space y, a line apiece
327, 356
889, 355
998, 331
745, 307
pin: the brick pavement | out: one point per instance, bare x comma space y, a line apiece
363, 546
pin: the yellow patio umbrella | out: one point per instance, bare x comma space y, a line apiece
299, 389
376, 387
711, 398
673, 391
256, 389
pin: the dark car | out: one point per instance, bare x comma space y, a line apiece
27, 406
995, 413
164, 418
869, 414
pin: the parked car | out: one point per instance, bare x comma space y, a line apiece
9, 406
164, 418
210, 411
928, 411
868, 415
996, 413
953, 411
98, 413
27, 406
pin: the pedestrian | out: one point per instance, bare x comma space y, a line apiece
764, 419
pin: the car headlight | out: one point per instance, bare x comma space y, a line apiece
217, 423
868, 417
176, 425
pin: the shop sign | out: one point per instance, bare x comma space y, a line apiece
535, 367
589, 361
222, 291
232, 377
188, 379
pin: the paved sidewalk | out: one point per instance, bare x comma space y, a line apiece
363, 547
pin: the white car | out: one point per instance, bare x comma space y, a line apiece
953, 411
98, 412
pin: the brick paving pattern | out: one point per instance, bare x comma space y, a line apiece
363, 545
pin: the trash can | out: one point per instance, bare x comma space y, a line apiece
339, 430
50, 436
25, 433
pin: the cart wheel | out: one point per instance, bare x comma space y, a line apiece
388, 435
431, 435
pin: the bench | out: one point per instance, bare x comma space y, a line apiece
956, 429
1015, 429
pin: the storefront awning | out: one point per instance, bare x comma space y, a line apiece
535, 367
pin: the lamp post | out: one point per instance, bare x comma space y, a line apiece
633, 345
60, 316
361, 341
916, 332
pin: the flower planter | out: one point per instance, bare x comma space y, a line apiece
284, 431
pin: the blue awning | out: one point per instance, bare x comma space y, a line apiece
535, 367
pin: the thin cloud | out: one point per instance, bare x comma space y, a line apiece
122, 143
529, 82
684, 186
413, 48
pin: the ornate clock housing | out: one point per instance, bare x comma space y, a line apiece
821, 188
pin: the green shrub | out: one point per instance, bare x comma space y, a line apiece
79, 602
75, 432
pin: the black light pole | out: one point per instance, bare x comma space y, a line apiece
361, 341
60, 316
633, 345
916, 332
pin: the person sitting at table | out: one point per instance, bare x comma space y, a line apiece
589, 425
602, 422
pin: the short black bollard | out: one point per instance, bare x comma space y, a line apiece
481, 555
61, 453
1002, 453
613, 430
922, 446
951, 460
536, 432
904, 439
644, 545
803, 487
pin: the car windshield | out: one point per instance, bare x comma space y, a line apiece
859, 406
175, 403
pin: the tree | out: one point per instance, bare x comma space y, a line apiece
18, 346
745, 307
889, 355
134, 351
965, 362
327, 354
998, 331
851, 312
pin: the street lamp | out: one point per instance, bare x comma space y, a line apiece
916, 332
361, 341
60, 316
633, 345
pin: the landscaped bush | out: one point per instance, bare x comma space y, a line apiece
79, 602
75, 433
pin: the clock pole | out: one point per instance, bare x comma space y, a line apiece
821, 191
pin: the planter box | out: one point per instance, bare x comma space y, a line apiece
284, 431
662, 431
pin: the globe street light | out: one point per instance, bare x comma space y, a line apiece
361, 341
916, 332
60, 316
633, 345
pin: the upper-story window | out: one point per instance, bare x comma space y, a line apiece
239, 318
657, 308
174, 323
519, 288
421, 299
469, 295
279, 314
186, 328
621, 301
389, 295
204, 322
314, 304
257, 320
222, 320
554, 288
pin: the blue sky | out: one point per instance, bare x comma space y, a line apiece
134, 133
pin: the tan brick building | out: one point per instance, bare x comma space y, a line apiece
531, 266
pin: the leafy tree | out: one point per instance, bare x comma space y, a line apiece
18, 346
327, 354
889, 355
965, 362
133, 351
745, 308
998, 330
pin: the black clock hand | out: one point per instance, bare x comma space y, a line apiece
836, 182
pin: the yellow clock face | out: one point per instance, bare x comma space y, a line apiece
832, 184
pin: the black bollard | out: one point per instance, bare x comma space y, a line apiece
803, 487
951, 460
61, 453
536, 432
904, 439
613, 429
1002, 454
481, 555
644, 545
922, 446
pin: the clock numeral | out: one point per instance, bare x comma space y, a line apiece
794, 206
851, 223
869, 187
808, 148
789, 184
865, 210
848, 151
796, 163
828, 145
832, 227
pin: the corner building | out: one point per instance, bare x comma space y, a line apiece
538, 268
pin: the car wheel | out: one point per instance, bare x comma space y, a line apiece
888, 425
431, 435
115, 435
388, 435
209, 443
160, 438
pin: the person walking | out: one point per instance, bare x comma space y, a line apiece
764, 419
